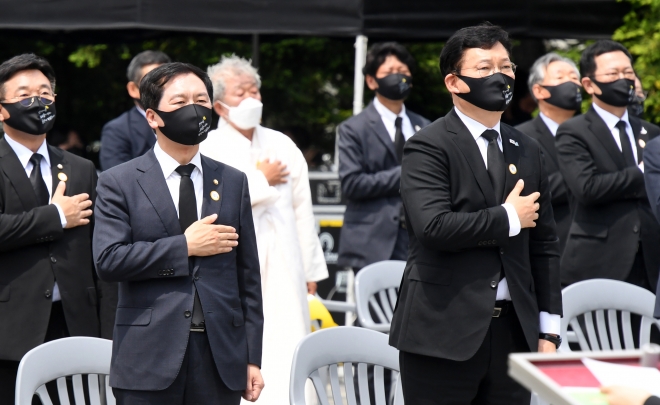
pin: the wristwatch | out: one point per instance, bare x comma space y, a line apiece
551, 338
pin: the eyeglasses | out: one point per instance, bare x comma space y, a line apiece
612, 76
507, 69
27, 101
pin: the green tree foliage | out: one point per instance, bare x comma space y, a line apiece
640, 33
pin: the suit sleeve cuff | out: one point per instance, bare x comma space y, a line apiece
549, 323
514, 221
62, 216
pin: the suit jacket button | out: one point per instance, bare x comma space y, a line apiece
196, 278
493, 284
501, 251
635, 229
53, 259
48, 294
187, 314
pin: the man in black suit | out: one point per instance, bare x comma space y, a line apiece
613, 233
482, 278
554, 82
47, 286
370, 152
129, 136
189, 321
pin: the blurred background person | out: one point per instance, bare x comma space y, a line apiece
290, 252
554, 82
636, 105
370, 152
613, 233
67, 139
129, 136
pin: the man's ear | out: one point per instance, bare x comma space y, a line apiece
371, 82
539, 92
220, 109
153, 119
452, 83
133, 90
590, 87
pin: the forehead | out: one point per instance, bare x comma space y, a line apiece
239, 80
32, 78
392, 60
560, 67
612, 60
184, 84
497, 52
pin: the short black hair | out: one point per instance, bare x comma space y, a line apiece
26, 61
588, 58
380, 51
484, 36
151, 86
143, 59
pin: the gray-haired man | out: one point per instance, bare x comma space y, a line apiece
554, 82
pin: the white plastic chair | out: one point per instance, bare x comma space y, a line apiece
66, 357
344, 350
598, 300
376, 288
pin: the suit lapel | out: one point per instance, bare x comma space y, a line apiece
417, 123
154, 186
511, 149
15, 171
641, 136
545, 138
212, 175
604, 135
467, 145
57, 159
379, 130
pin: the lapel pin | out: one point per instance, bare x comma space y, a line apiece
643, 131
215, 196
62, 177
417, 128
59, 166
642, 144
512, 168
215, 181
514, 143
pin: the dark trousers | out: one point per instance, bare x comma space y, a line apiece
56, 330
480, 380
198, 382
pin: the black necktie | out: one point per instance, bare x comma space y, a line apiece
626, 147
399, 140
188, 215
496, 165
37, 180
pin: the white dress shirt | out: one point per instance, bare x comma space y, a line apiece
24, 154
548, 323
389, 117
552, 126
173, 179
610, 121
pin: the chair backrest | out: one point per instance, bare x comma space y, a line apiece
376, 288
605, 308
66, 357
345, 351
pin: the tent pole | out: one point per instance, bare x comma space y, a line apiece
358, 81
255, 50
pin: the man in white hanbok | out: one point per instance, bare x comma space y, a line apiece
290, 253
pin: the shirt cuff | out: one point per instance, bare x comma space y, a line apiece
549, 323
62, 217
514, 221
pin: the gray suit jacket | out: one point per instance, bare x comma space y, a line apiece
138, 242
370, 175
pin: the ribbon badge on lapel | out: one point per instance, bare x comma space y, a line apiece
511, 141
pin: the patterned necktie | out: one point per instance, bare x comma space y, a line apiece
37, 180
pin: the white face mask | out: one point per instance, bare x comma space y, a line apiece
247, 114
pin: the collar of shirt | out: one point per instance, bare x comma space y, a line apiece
168, 164
552, 126
24, 154
611, 120
389, 117
141, 111
476, 128
225, 129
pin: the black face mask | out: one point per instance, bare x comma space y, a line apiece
36, 119
566, 95
636, 107
618, 93
492, 93
395, 86
188, 125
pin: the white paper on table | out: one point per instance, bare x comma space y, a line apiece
644, 378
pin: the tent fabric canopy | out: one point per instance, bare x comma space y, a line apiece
416, 19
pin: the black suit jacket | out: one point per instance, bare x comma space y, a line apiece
138, 242
459, 242
35, 250
124, 138
537, 130
652, 181
370, 176
611, 212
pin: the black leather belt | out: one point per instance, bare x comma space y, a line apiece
502, 308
